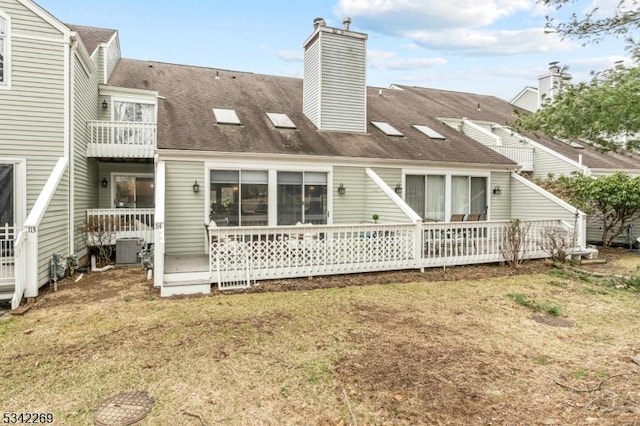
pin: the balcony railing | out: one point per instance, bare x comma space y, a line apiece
105, 226
523, 155
122, 139
7, 240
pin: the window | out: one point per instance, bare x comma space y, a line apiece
426, 195
6, 195
469, 195
239, 197
302, 197
133, 192
134, 112
4, 50
430, 198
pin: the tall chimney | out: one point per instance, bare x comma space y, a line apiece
334, 84
550, 84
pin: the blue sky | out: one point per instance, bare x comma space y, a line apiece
493, 47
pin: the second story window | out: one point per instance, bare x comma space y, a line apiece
135, 123
4, 50
134, 111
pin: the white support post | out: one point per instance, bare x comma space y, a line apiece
158, 246
31, 262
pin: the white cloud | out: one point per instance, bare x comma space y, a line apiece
490, 42
384, 60
394, 16
290, 55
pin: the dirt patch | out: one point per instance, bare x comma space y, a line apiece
552, 321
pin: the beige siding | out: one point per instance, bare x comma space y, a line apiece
184, 231
391, 177
528, 204
478, 135
594, 232
32, 121
528, 101
500, 204
377, 202
112, 56
54, 230
106, 169
85, 108
26, 21
350, 207
99, 57
546, 163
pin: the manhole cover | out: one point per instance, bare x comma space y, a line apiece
552, 321
123, 409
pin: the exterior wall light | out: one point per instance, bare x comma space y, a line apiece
341, 189
105, 105
497, 190
104, 182
398, 189
196, 187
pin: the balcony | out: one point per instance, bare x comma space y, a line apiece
122, 139
523, 155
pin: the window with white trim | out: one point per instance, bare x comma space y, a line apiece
469, 195
302, 197
239, 197
4, 50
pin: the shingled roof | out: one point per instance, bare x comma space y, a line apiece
186, 120
92, 36
449, 104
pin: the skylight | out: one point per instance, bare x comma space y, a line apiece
281, 121
387, 128
576, 145
226, 116
428, 131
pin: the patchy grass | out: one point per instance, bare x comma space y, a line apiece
546, 307
416, 353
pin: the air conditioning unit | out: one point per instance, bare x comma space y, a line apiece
127, 250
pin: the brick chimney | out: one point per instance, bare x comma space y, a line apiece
334, 84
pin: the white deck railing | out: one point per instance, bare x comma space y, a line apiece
523, 155
241, 255
298, 251
122, 139
105, 226
7, 253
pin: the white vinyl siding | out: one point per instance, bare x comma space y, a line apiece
311, 83
546, 163
184, 226
85, 107
335, 82
500, 205
343, 96
391, 177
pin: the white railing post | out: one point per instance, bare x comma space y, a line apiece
19, 269
158, 246
31, 263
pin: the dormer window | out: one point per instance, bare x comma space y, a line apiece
387, 128
4, 50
